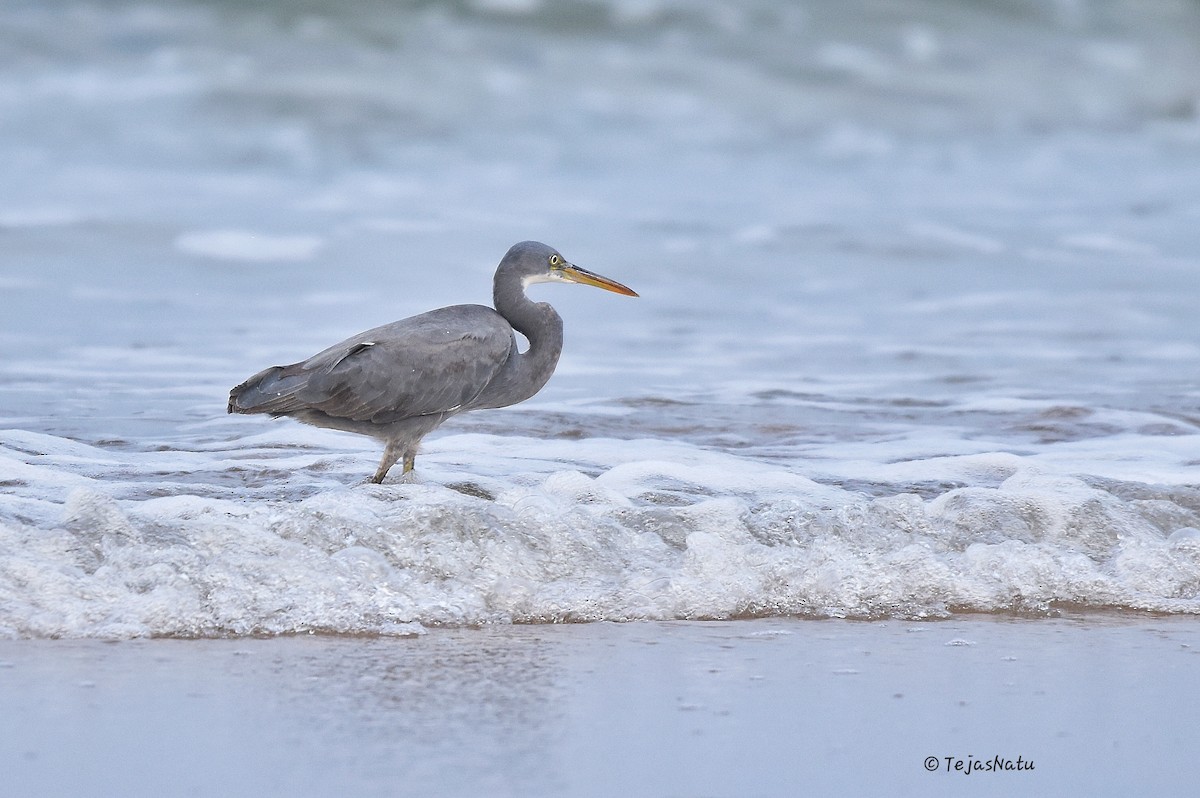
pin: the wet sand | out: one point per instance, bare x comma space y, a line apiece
1095, 704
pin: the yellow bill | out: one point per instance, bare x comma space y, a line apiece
584, 277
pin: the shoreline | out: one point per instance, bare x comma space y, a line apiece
767, 707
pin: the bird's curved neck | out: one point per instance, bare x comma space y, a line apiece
526, 372
526, 316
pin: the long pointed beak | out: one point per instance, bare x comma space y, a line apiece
584, 277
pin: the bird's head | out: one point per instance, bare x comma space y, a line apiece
534, 262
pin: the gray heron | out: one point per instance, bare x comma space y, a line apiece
400, 381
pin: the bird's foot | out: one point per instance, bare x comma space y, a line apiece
405, 478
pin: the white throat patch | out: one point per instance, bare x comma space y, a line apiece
545, 277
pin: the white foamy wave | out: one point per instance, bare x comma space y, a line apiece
691, 534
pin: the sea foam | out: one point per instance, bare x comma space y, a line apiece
694, 534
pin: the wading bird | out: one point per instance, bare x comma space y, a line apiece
400, 381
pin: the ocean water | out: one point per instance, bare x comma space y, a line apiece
917, 332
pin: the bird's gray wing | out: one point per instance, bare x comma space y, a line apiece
432, 363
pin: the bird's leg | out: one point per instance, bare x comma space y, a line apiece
391, 453
410, 460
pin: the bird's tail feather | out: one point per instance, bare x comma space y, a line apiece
271, 390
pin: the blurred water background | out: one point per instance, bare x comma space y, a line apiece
917, 332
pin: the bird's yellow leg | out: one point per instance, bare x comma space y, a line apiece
391, 454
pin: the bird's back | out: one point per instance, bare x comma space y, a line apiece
433, 363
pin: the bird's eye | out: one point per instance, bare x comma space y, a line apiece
555, 261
